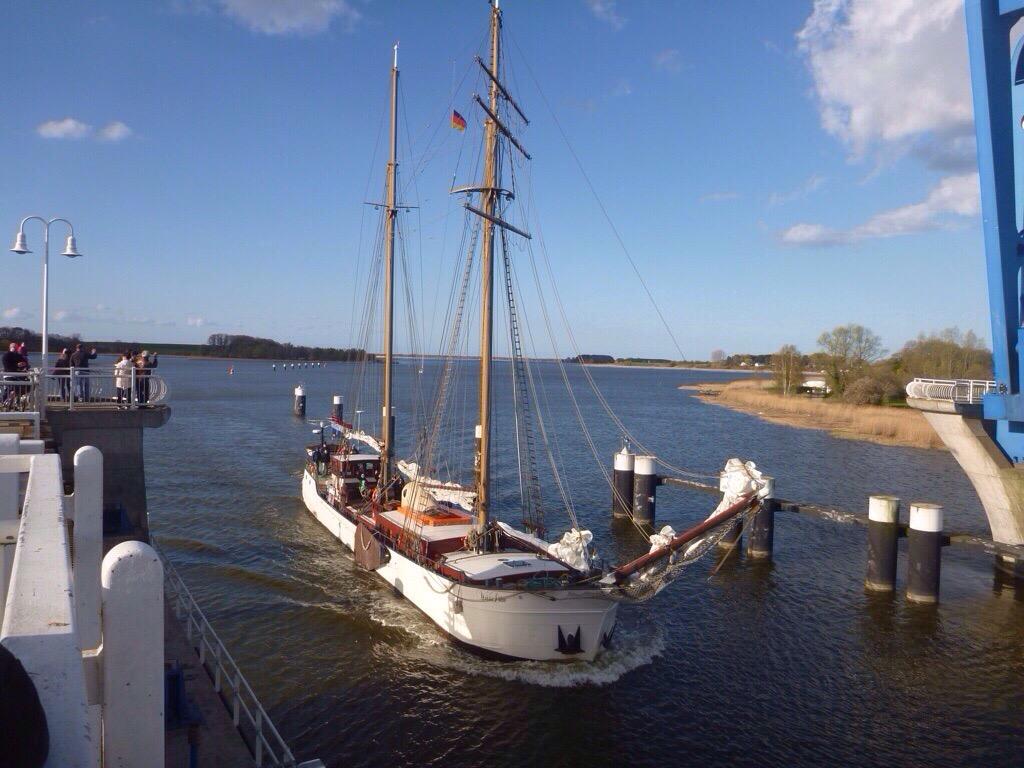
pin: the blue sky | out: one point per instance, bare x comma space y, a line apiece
775, 169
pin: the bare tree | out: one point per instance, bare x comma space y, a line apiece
787, 368
848, 349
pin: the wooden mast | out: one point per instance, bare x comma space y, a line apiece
387, 448
489, 205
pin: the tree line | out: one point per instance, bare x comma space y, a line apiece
860, 370
217, 345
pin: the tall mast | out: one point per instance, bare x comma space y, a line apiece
489, 204
390, 213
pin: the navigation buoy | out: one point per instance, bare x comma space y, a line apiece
299, 406
338, 409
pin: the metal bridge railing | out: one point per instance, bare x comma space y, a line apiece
964, 391
80, 388
267, 745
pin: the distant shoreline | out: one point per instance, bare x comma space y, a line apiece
739, 371
884, 425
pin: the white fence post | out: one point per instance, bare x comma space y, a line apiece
88, 539
133, 656
9, 446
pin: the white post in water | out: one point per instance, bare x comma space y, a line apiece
87, 505
299, 404
924, 552
133, 655
622, 484
883, 536
338, 409
645, 485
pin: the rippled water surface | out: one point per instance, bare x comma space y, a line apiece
788, 663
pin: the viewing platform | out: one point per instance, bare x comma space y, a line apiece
955, 410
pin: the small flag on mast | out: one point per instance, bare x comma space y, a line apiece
458, 121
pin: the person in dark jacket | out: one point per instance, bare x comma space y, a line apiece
144, 365
80, 361
62, 370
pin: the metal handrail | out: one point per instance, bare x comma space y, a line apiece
223, 667
964, 391
80, 387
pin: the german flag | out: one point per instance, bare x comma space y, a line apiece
458, 121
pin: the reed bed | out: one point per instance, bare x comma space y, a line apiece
881, 424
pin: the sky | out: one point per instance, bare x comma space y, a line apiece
772, 169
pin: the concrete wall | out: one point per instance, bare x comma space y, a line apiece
118, 435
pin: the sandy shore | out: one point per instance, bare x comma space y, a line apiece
876, 424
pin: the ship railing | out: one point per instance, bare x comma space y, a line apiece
268, 747
87, 629
962, 391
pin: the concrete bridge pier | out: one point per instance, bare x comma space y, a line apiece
998, 482
118, 433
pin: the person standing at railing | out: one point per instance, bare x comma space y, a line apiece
14, 361
62, 370
123, 379
80, 360
144, 366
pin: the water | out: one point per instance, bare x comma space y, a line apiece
788, 663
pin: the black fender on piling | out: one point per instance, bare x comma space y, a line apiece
338, 409
924, 553
883, 538
622, 484
645, 486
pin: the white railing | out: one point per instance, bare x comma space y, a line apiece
267, 745
965, 391
80, 388
88, 631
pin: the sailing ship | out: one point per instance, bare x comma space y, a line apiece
501, 591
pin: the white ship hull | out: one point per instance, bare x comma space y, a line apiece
512, 623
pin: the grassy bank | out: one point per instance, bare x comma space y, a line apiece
878, 424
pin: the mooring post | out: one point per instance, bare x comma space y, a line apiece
645, 486
622, 484
883, 535
924, 552
762, 526
338, 409
299, 404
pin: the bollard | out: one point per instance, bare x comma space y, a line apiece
761, 537
133, 655
645, 484
622, 484
924, 552
87, 502
883, 535
299, 405
338, 409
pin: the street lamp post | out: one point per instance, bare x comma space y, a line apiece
70, 250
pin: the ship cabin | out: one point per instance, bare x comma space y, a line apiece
352, 476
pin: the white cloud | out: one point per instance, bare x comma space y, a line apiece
62, 314
101, 313
115, 131
14, 313
806, 187
719, 197
195, 321
290, 17
606, 11
953, 196
892, 74
621, 87
668, 60
65, 128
